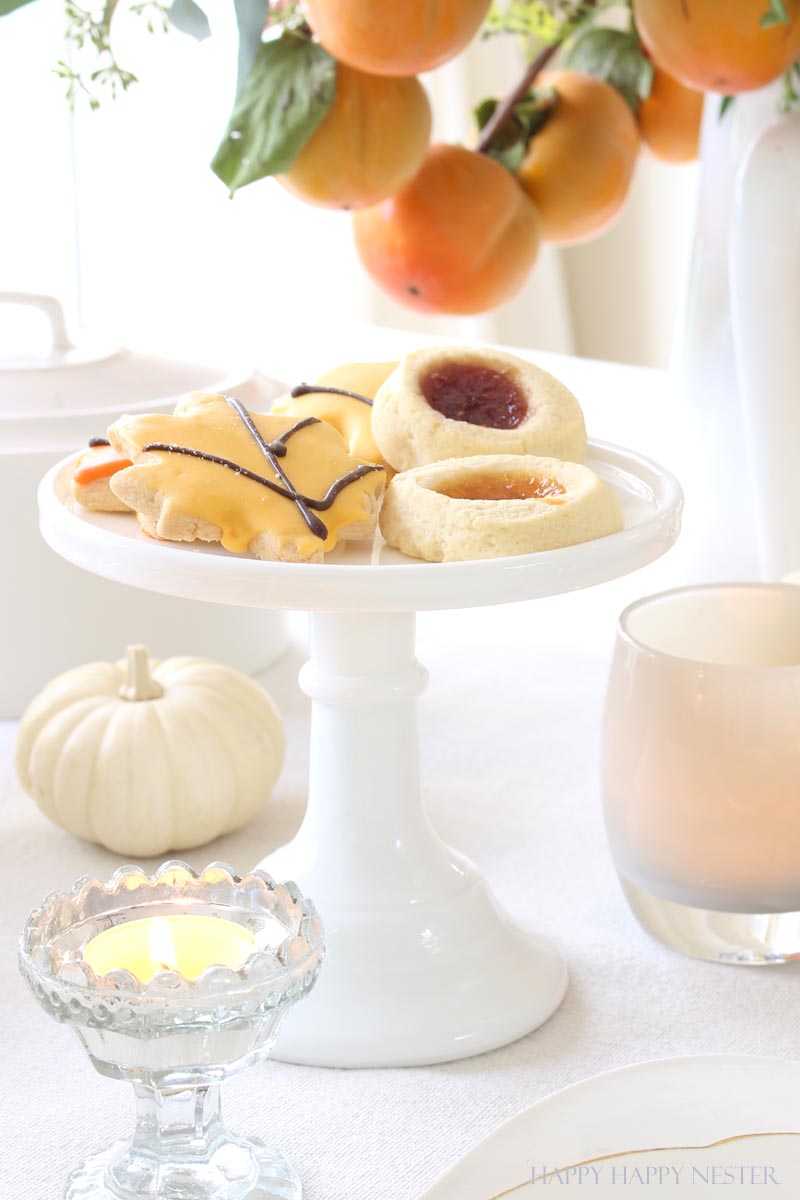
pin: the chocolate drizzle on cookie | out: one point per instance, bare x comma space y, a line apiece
308, 389
273, 451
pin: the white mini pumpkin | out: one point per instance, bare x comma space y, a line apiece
143, 761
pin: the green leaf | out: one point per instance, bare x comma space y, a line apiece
510, 144
7, 6
484, 111
724, 105
289, 90
613, 56
790, 95
188, 17
776, 14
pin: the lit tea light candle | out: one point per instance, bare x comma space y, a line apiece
186, 944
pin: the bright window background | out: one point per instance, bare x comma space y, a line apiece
118, 214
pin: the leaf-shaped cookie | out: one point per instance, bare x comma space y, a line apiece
281, 488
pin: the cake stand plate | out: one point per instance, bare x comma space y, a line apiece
423, 965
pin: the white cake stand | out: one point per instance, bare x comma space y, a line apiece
423, 965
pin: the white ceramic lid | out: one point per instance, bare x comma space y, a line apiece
60, 399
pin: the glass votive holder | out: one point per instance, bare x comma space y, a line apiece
701, 769
160, 1012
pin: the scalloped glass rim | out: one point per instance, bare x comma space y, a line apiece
295, 961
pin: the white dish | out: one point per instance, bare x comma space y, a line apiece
681, 1102
114, 546
51, 616
61, 399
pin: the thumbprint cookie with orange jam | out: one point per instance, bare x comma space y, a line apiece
493, 506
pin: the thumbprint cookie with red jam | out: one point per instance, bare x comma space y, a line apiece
456, 402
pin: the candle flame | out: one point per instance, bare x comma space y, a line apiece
162, 946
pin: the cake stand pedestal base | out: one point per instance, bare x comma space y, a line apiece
423, 965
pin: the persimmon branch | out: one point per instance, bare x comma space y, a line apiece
506, 106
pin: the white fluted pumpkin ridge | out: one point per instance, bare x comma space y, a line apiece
144, 757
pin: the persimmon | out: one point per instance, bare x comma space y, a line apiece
461, 238
578, 167
369, 144
669, 119
718, 45
394, 37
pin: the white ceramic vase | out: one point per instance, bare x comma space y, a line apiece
738, 355
765, 294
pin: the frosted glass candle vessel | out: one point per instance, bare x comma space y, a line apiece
176, 1036
701, 769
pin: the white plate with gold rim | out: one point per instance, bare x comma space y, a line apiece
703, 1127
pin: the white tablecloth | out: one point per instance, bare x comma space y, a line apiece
510, 735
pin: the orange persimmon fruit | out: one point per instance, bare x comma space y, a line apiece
370, 143
718, 45
394, 37
578, 167
669, 119
461, 238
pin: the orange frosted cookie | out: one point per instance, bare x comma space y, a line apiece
92, 475
214, 472
343, 397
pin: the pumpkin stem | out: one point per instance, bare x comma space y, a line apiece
139, 683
